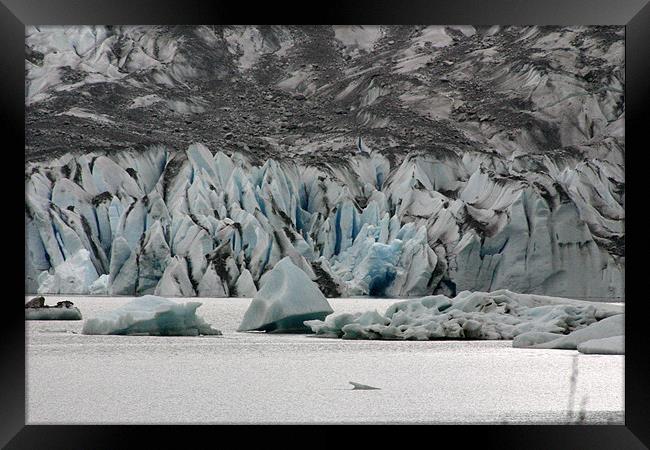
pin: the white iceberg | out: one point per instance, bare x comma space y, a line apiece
614, 345
53, 313
590, 339
150, 315
36, 309
472, 315
286, 299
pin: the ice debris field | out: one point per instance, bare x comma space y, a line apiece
289, 302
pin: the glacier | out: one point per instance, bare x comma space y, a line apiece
198, 223
150, 316
397, 161
526, 318
287, 298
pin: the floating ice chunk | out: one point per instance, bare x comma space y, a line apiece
532, 338
150, 315
286, 299
333, 324
36, 309
53, 313
609, 327
614, 345
537, 320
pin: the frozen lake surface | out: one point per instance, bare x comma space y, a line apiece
262, 378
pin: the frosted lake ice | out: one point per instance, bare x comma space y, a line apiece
261, 378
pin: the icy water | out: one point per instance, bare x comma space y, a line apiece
261, 378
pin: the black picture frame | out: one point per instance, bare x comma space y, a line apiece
634, 14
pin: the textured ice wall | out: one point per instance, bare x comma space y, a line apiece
197, 224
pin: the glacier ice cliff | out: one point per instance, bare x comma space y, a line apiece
195, 223
384, 160
286, 299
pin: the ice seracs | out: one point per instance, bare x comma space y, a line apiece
195, 223
73, 276
245, 286
286, 299
150, 315
99, 286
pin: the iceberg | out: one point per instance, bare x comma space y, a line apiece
286, 299
614, 345
150, 315
36, 309
604, 336
501, 314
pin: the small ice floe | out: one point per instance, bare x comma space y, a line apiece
606, 337
362, 387
150, 315
36, 309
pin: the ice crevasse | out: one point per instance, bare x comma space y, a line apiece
195, 223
